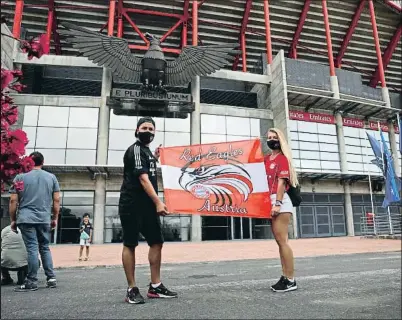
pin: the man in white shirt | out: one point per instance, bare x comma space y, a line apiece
13, 256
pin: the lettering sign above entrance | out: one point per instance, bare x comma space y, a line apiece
329, 119
151, 95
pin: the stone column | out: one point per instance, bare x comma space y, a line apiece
101, 159
280, 111
394, 148
344, 169
196, 230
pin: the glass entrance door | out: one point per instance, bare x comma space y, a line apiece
241, 228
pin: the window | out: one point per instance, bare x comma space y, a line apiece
82, 138
307, 127
62, 134
53, 117
31, 134
83, 117
238, 126
74, 204
80, 156
213, 124
212, 138
120, 139
215, 129
237, 138
115, 158
216, 228
177, 125
31, 115
122, 122
51, 138
54, 156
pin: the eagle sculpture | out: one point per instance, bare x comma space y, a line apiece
224, 184
152, 70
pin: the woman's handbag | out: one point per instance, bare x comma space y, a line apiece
294, 195
293, 192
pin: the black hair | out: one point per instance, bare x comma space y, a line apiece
144, 120
37, 158
86, 215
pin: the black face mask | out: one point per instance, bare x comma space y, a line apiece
145, 137
274, 144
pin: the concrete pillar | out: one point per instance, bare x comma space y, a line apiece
196, 231
394, 148
101, 159
280, 111
344, 169
99, 208
385, 97
342, 157
104, 117
334, 86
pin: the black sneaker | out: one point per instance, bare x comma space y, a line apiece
278, 284
160, 292
134, 296
26, 287
51, 283
285, 286
7, 281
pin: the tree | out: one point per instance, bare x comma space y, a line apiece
12, 159
13, 142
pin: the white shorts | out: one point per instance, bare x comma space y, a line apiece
286, 206
84, 242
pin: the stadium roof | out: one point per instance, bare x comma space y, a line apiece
221, 21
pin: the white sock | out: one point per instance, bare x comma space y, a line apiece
155, 285
291, 280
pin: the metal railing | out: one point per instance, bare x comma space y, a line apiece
381, 225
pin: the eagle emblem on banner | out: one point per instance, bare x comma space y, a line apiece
223, 184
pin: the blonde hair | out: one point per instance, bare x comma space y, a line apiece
287, 152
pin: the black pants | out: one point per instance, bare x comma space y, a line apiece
21, 273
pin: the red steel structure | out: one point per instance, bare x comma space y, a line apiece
120, 14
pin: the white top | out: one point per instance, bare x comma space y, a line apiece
13, 252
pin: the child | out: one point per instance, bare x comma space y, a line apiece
86, 236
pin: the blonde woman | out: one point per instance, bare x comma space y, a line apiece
281, 174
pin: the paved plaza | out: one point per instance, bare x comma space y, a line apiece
353, 278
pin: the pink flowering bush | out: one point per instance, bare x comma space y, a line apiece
12, 158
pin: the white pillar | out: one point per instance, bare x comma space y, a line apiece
196, 231
342, 157
101, 159
104, 116
99, 208
344, 169
385, 97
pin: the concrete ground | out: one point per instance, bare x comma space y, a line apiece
185, 252
348, 286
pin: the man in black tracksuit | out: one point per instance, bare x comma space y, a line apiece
139, 210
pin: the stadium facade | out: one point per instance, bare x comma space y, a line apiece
322, 71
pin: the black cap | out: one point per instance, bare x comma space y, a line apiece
144, 120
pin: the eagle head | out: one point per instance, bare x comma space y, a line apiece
151, 38
224, 184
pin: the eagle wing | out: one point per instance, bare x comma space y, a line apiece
108, 51
198, 61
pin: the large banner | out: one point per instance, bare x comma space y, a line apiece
219, 179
